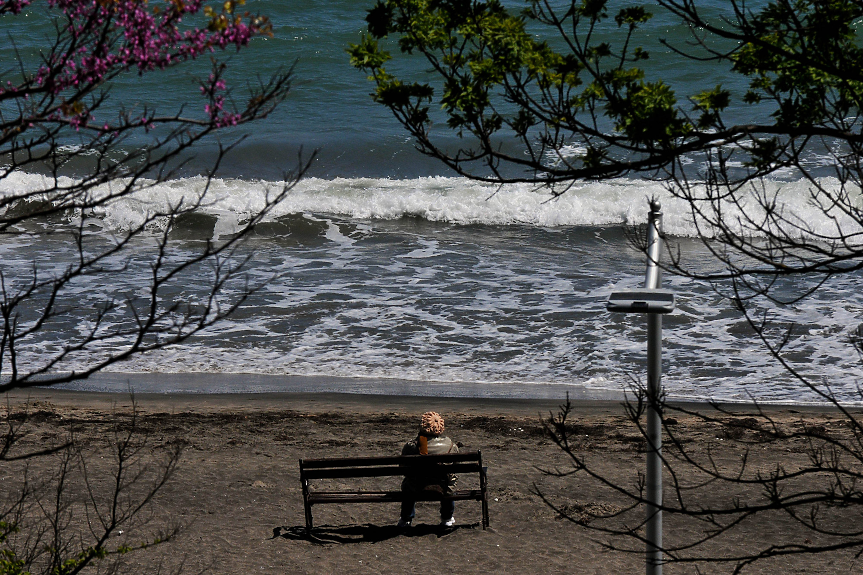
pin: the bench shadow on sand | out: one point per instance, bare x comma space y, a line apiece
366, 533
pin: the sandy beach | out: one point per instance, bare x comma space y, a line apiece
236, 490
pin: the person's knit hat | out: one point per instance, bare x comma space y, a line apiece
431, 424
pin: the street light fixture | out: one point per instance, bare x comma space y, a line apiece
653, 301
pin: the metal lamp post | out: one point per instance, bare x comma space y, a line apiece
654, 302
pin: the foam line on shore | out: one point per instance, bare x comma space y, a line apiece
261, 390
254, 383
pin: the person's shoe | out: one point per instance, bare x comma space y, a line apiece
448, 522
402, 524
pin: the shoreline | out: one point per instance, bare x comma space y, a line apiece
328, 401
256, 383
251, 384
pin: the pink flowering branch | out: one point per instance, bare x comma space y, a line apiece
101, 39
98, 40
13, 6
54, 103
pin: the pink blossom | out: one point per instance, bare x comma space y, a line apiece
13, 6
104, 38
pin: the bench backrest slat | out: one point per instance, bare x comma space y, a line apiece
380, 471
389, 460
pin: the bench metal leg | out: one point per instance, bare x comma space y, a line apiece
306, 506
483, 486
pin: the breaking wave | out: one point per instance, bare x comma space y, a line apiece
452, 200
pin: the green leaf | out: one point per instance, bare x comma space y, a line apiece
594, 9
379, 19
632, 16
367, 55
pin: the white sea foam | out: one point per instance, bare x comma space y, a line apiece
372, 295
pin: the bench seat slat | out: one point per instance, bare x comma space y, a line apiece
394, 496
344, 472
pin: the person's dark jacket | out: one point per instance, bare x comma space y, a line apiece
434, 481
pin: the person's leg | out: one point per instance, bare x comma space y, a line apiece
408, 511
447, 508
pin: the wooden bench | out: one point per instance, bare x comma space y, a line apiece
343, 468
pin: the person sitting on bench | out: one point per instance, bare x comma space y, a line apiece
429, 441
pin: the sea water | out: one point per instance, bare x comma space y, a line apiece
384, 272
